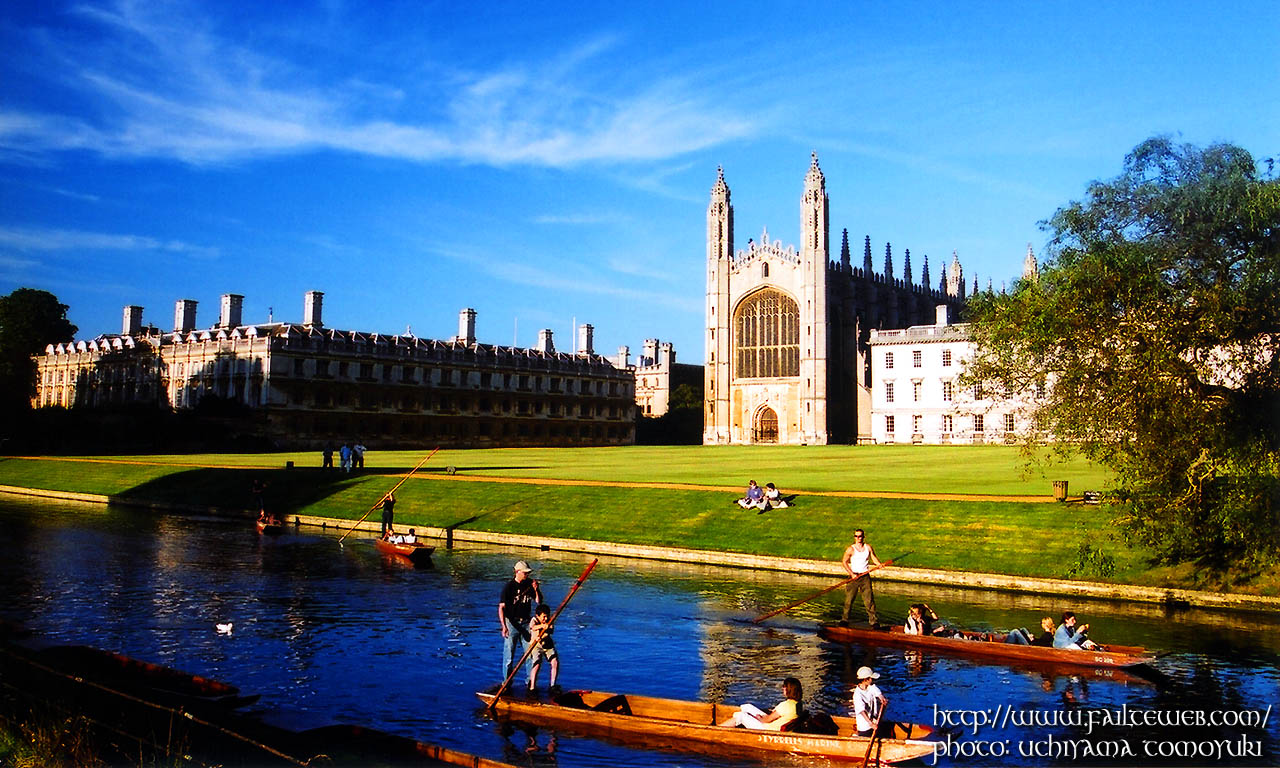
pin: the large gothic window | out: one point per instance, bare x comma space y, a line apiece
766, 336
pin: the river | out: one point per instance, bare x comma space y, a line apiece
340, 633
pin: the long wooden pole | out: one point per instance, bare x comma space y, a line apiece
388, 493
822, 592
875, 729
533, 641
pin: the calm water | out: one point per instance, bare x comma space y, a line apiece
353, 637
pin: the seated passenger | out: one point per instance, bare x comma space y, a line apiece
754, 498
1021, 636
1072, 637
751, 716
410, 537
920, 618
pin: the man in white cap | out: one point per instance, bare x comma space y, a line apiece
519, 596
868, 701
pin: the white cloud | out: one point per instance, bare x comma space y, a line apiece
162, 83
28, 240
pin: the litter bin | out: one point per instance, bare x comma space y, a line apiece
1059, 490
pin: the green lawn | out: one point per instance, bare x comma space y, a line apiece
1002, 537
992, 469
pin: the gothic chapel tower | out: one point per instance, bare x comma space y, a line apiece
766, 342
715, 424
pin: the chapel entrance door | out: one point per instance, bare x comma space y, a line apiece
765, 430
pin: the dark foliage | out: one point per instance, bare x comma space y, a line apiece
1156, 327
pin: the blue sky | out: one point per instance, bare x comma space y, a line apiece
546, 162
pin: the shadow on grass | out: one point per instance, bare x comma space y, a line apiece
287, 490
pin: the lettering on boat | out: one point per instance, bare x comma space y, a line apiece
799, 741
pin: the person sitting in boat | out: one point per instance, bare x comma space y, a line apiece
544, 647
920, 618
754, 498
1071, 636
773, 497
1021, 636
751, 716
409, 538
868, 702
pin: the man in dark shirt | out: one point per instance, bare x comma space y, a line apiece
519, 596
388, 505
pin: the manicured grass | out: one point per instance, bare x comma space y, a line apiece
990, 469
1001, 537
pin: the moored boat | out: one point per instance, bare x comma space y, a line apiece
692, 725
994, 647
415, 552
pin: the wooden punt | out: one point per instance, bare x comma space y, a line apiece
691, 726
416, 553
977, 644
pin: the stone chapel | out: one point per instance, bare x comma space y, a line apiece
787, 327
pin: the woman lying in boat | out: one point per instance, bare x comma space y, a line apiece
751, 716
1021, 636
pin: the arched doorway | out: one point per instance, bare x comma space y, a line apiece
765, 429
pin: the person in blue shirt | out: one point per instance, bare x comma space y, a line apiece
754, 498
1072, 637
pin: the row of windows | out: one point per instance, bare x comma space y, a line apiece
917, 359
917, 389
948, 423
447, 377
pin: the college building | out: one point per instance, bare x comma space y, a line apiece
788, 328
314, 385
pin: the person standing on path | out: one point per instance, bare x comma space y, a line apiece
357, 454
858, 558
515, 609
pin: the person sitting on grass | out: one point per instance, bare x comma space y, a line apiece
773, 497
754, 498
544, 648
751, 716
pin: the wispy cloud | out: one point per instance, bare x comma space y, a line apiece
578, 279
579, 219
162, 83
38, 240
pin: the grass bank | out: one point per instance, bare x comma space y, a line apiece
1011, 531
1010, 537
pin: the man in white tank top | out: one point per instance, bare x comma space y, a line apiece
858, 558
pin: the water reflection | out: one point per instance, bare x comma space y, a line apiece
330, 633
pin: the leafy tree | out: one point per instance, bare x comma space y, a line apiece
1156, 325
30, 319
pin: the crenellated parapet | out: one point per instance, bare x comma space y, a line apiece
764, 249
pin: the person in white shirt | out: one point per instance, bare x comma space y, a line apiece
868, 701
858, 559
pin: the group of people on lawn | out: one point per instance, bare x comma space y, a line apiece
763, 499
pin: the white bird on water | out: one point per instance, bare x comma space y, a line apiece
224, 629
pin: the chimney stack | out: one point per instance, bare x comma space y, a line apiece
623, 360
311, 305
545, 344
132, 321
232, 310
184, 315
467, 326
586, 339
